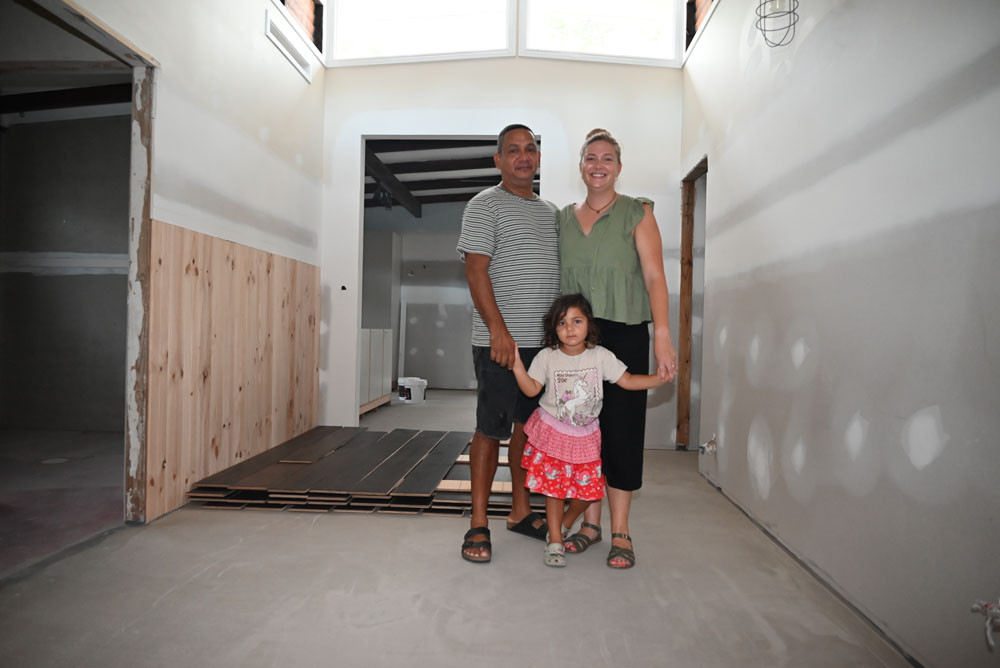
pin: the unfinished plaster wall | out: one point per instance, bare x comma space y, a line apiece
237, 137
63, 256
852, 300
640, 105
432, 292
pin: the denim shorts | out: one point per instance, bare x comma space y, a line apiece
499, 401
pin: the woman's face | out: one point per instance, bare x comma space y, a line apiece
599, 166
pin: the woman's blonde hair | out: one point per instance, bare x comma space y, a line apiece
600, 134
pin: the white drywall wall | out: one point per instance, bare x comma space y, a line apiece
852, 326
560, 100
237, 132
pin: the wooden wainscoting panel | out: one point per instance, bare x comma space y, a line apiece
234, 358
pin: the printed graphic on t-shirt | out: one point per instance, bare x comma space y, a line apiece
577, 395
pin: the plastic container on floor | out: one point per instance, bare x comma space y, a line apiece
412, 390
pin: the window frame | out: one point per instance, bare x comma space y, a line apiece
700, 31
676, 62
331, 61
319, 53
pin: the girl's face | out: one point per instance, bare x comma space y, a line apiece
572, 328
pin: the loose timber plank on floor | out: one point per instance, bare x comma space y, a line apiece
276, 474
313, 452
222, 506
501, 461
425, 476
328, 466
356, 464
245, 468
499, 486
394, 469
268, 477
464, 472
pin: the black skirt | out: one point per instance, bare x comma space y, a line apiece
623, 416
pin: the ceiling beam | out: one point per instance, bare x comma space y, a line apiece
439, 184
376, 169
393, 145
66, 97
436, 199
443, 165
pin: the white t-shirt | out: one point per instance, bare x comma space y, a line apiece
573, 390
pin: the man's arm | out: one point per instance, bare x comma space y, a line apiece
501, 342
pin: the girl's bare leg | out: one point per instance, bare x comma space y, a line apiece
554, 517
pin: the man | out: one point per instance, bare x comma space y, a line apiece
509, 243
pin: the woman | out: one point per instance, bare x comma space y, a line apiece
610, 250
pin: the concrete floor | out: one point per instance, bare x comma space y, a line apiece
263, 588
56, 488
444, 410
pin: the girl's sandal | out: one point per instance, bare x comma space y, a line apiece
624, 553
579, 542
555, 555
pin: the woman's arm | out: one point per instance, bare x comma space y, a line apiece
650, 248
639, 381
528, 385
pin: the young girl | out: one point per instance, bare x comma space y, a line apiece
563, 454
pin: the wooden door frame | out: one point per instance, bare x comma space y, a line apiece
68, 15
686, 305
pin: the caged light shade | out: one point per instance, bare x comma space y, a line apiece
776, 20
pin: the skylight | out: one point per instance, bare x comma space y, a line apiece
640, 31
369, 31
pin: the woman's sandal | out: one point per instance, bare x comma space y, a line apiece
618, 552
470, 544
555, 554
579, 542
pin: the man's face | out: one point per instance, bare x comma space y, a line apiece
518, 158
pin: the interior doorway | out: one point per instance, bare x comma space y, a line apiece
691, 307
72, 209
413, 281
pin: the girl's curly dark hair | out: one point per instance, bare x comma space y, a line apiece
556, 313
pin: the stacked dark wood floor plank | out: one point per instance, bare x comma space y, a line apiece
350, 469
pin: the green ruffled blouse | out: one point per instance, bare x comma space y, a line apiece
604, 265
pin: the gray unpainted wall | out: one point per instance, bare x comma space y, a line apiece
852, 301
62, 335
433, 291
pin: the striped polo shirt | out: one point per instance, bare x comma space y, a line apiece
521, 239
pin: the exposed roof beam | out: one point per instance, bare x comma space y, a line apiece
435, 199
378, 171
392, 145
437, 184
443, 165
66, 97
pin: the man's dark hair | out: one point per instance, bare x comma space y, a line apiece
513, 126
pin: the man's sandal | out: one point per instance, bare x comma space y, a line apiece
579, 542
484, 544
555, 555
618, 552
526, 527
